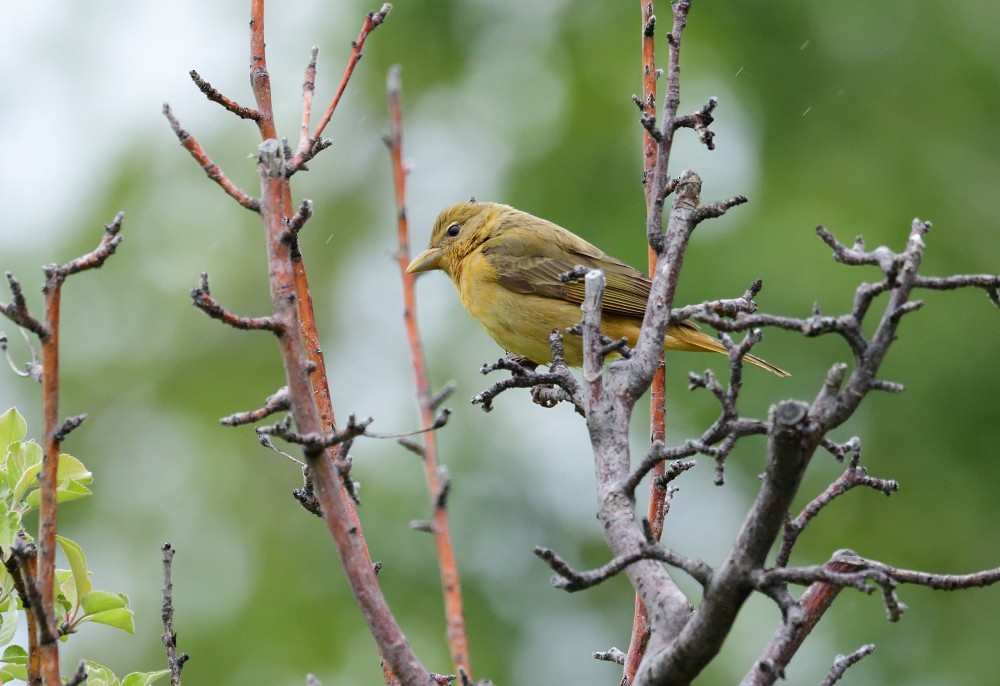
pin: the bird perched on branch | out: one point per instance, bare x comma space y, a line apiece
506, 265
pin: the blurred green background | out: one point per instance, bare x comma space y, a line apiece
855, 115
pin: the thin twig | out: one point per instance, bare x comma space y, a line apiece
570, 580
310, 145
175, 661
276, 402
844, 662
17, 309
524, 376
438, 484
215, 96
201, 297
212, 170
853, 476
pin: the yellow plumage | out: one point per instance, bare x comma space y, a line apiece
506, 265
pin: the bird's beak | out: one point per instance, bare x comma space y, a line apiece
426, 261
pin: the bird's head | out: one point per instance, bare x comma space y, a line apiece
458, 231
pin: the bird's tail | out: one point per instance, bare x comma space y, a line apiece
687, 336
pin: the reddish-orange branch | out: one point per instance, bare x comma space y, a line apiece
42, 576
458, 640
657, 397
309, 145
260, 80
215, 96
212, 170
308, 91
306, 380
372, 21
47, 510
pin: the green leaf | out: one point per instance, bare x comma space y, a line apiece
16, 659
144, 678
15, 655
77, 563
13, 672
70, 477
71, 468
12, 427
99, 675
66, 598
23, 464
71, 490
8, 622
120, 619
99, 601
6, 585
10, 524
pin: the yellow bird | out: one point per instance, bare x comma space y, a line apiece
506, 265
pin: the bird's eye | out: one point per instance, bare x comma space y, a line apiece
454, 229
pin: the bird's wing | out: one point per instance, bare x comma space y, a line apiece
527, 263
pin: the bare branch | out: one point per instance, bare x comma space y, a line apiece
95, 259
854, 476
175, 661
571, 580
212, 170
988, 282
724, 308
700, 121
17, 309
523, 375
299, 220
69, 425
314, 441
312, 144
730, 584
201, 298
611, 655
276, 402
844, 662
80, 676
215, 96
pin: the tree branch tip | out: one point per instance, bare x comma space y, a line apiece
394, 79
422, 525
413, 447
674, 470
442, 395
843, 662
116, 224
611, 655
887, 386
378, 17
68, 426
